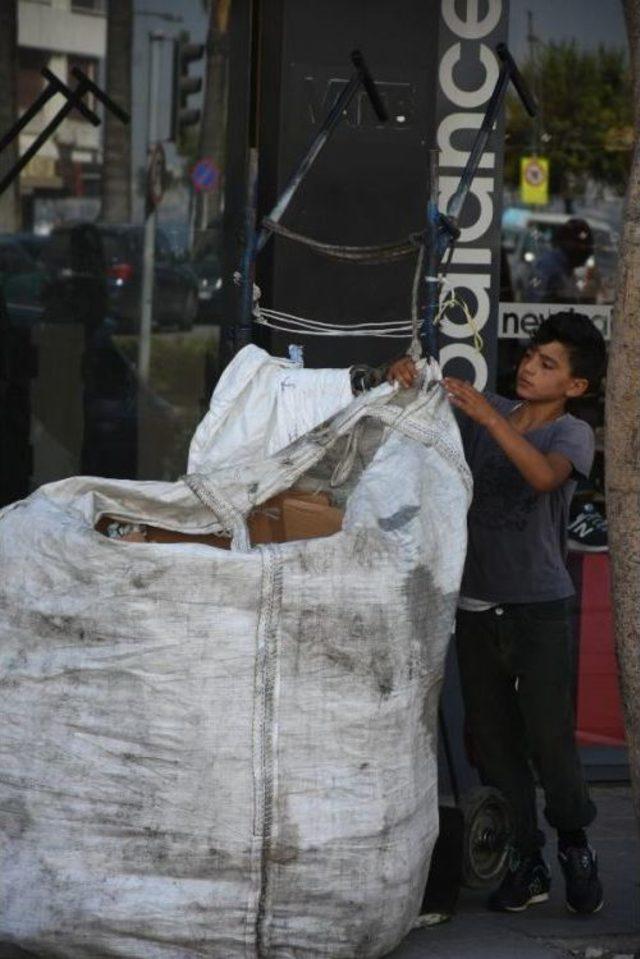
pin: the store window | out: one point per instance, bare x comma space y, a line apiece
92, 387
30, 80
89, 6
89, 66
565, 178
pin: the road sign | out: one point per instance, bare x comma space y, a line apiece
156, 175
205, 175
534, 180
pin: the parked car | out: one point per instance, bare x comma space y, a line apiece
209, 275
81, 255
21, 280
527, 234
34, 244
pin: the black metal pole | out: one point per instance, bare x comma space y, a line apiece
361, 77
35, 146
26, 117
442, 230
99, 94
509, 73
73, 101
456, 203
330, 123
63, 89
428, 331
243, 335
54, 85
448, 753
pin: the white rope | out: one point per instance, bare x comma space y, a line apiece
389, 329
338, 331
289, 323
451, 301
415, 350
317, 324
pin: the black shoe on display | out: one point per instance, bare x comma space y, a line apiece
527, 881
588, 531
584, 889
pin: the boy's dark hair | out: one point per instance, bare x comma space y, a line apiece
583, 341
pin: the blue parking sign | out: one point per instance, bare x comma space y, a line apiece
205, 175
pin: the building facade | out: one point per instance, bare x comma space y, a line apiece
59, 35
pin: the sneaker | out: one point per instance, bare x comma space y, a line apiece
526, 881
588, 531
584, 889
427, 919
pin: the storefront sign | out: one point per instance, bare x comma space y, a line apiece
521, 320
534, 180
468, 70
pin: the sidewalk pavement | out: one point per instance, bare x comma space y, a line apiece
545, 931
548, 930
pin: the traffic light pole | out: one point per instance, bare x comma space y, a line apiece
148, 256
184, 85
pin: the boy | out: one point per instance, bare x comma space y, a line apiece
513, 628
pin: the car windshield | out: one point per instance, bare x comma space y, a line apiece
13, 259
538, 238
122, 246
34, 246
207, 265
119, 245
55, 254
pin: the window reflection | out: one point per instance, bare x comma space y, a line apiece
71, 282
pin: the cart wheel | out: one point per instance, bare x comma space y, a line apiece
487, 832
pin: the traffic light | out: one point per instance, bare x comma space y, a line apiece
184, 54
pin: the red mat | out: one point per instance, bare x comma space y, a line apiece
599, 719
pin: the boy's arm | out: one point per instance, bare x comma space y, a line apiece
543, 471
402, 370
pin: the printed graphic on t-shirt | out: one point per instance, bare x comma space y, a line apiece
502, 500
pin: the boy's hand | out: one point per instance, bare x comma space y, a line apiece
403, 371
470, 401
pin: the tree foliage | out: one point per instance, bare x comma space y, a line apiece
585, 123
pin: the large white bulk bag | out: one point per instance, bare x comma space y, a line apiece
261, 404
231, 753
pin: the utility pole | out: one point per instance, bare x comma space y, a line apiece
148, 257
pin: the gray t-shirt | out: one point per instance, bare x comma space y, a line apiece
517, 536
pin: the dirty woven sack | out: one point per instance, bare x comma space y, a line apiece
261, 404
231, 753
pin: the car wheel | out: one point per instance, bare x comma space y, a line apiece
488, 830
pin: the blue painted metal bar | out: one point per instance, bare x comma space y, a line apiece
361, 77
442, 230
74, 102
255, 242
243, 336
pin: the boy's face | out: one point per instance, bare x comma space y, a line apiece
544, 374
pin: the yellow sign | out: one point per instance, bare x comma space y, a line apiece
534, 180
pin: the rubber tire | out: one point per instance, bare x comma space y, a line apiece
483, 809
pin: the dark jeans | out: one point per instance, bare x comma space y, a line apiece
515, 669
